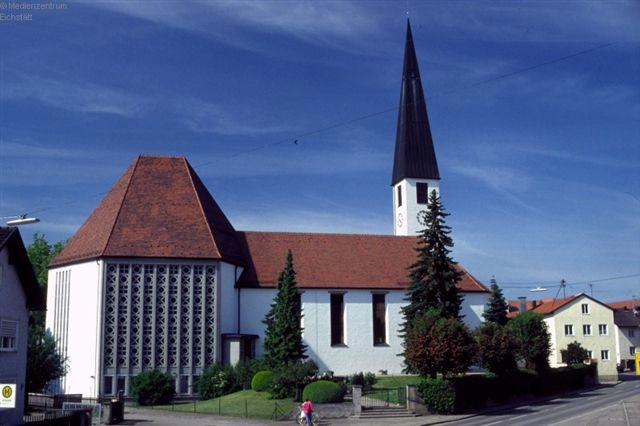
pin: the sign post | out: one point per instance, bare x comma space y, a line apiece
7, 395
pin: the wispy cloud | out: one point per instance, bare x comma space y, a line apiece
74, 95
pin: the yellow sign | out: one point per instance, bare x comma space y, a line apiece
637, 363
7, 396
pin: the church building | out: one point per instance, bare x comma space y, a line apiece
157, 277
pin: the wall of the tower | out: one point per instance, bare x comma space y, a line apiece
410, 198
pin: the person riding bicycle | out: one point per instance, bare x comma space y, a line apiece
307, 410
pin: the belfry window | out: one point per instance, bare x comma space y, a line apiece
422, 193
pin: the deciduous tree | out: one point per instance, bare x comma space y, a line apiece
533, 339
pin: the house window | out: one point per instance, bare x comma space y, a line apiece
631, 332
422, 192
585, 308
399, 196
589, 354
586, 329
604, 355
107, 385
632, 350
602, 329
337, 319
8, 335
568, 329
379, 319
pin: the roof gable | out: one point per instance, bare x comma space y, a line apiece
11, 241
158, 208
336, 261
549, 307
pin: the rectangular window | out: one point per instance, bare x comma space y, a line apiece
422, 192
602, 329
631, 332
122, 381
585, 308
108, 385
589, 354
586, 329
184, 384
379, 319
604, 355
337, 319
632, 350
399, 195
568, 330
8, 335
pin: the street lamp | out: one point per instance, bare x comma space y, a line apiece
21, 220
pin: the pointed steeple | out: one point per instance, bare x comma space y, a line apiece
414, 154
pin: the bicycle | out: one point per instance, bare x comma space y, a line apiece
315, 419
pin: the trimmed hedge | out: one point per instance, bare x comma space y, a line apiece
262, 381
323, 391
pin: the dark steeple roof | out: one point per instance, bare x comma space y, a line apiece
414, 156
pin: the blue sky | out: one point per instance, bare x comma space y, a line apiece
534, 109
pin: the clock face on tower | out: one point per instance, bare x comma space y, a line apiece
400, 220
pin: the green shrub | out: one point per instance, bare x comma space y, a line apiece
152, 387
217, 380
439, 395
262, 381
245, 370
323, 391
365, 380
290, 379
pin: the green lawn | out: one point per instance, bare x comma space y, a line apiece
246, 403
395, 381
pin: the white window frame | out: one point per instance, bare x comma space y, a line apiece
586, 329
604, 355
603, 330
585, 308
568, 330
632, 350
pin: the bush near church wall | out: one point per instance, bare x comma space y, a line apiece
324, 392
262, 381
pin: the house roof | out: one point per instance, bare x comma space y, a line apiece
625, 304
414, 152
550, 306
11, 241
626, 318
159, 208
336, 261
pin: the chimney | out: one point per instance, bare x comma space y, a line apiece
522, 304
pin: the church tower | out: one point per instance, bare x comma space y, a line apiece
415, 169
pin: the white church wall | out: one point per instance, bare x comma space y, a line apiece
73, 301
227, 301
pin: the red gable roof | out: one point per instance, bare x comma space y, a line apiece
158, 208
336, 261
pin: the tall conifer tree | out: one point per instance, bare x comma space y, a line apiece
497, 306
283, 335
433, 276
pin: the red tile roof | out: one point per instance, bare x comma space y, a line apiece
159, 208
624, 304
336, 261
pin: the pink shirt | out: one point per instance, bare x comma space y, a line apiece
307, 407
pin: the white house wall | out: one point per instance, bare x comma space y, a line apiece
73, 302
13, 364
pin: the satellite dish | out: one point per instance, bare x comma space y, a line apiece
537, 289
23, 220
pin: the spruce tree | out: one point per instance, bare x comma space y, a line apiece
283, 335
497, 306
433, 276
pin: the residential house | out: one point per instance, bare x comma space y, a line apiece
19, 293
627, 320
583, 319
